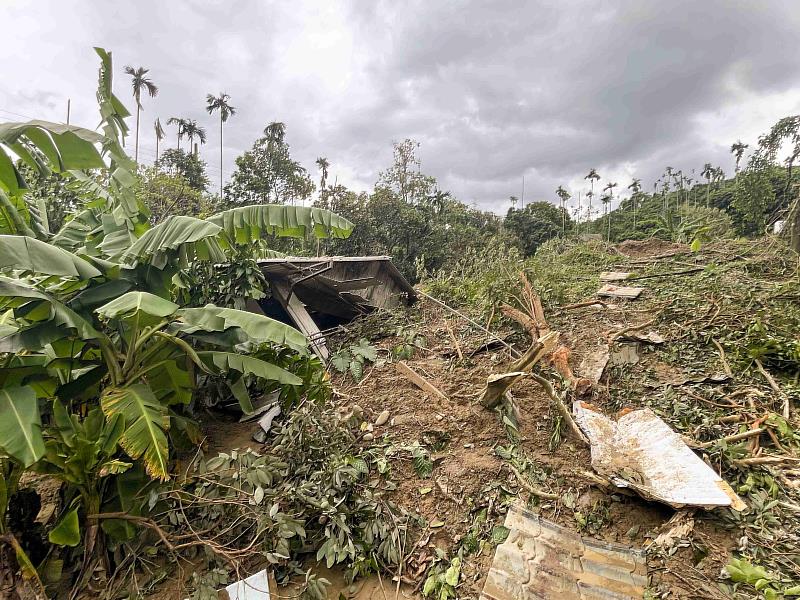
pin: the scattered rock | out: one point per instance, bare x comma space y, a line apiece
368, 437
382, 419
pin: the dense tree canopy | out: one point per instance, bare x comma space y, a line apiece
267, 173
186, 165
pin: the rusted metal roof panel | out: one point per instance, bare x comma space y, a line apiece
541, 560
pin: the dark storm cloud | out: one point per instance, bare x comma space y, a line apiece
492, 91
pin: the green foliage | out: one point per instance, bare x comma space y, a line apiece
534, 224
421, 460
165, 194
317, 494
267, 174
67, 531
410, 342
20, 425
767, 585
185, 167
231, 284
96, 377
354, 357
443, 576
480, 277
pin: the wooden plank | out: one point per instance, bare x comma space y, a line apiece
615, 291
297, 311
418, 380
614, 276
373, 271
349, 285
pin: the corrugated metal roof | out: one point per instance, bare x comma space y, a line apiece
541, 560
290, 263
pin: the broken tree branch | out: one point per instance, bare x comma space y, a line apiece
548, 389
613, 336
528, 323
736, 437
583, 304
775, 388
453, 338
725, 366
533, 490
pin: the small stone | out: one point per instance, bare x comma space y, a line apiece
469, 445
439, 417
382, 419
357, 410
368, 437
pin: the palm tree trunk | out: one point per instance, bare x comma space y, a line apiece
220, 155
157, 140
136, 150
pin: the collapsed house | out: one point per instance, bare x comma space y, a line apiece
317, 294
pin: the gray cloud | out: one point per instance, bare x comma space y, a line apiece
492, 91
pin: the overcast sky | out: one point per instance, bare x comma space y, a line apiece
493, 91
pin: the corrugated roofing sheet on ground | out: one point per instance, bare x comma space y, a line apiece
542, 560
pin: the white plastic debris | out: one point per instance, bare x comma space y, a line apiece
641, 452
255, 587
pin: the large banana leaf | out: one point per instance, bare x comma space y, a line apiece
23, 253
75, 234
17, 295
177, 237
229, 361
21, 425
133, 303
65, 147
246, 223
112, 110
258, 328
100, 294
146, 424
170, 383
16, 215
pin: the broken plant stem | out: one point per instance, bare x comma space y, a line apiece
453, 338
613, 336
562, 409
533, 490
583, 304
775, 387
669, 274
725, 366
766, 460
736, 437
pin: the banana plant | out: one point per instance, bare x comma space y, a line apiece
97, 359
